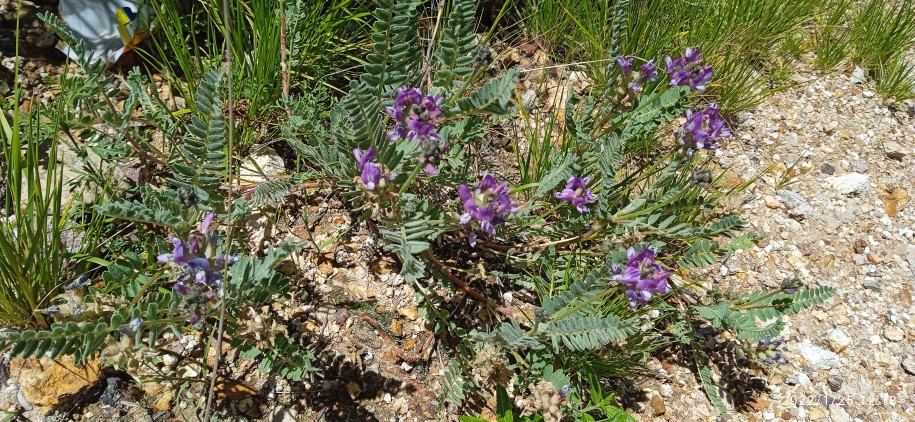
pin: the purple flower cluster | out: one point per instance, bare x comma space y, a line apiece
635, 79
686, 70
371, 171
642, 275
198, 262
415, 115
487, 204
702, 130
577, 192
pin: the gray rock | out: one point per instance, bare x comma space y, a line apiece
832, 224
859, 76
798, 207
826, 168
850, 184
852, 207
816, 357
870, 284
24, 402
283, 414
838, 414
803, 379
895, 150
528, 99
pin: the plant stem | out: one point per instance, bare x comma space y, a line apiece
231, 126
406, 184
475, 294
283, 65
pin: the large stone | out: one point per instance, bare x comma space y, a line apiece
816, 357
283, 414
850, 184
47, 383
263, 164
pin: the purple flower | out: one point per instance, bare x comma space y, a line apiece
207, 220
371, 175
223, 261
648, 72
197, 262
364, 156
487, 205
686, 70
625, 64
702, 130
642, 276
135, 323
769, 348
180, 288
701, 80
415, 115
577, 192
371, 172
633, 80
691, 56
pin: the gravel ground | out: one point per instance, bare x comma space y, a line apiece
846, 223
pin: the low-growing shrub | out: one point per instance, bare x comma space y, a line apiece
598, 231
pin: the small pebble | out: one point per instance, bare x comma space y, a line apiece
893, 334
772, 202
803, 379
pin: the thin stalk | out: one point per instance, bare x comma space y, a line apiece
406, 184
228, 205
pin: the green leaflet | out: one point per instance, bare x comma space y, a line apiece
457, 45
391, 64
581, 333
649, 112
455, 383
751, 308
83, 340
556, 176
273, 191
493, 97
583, 290
705, 375
159, 207
408, 240
611, 156
620, 25
203, 162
